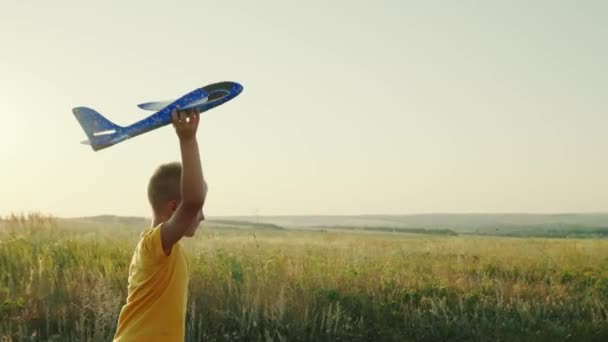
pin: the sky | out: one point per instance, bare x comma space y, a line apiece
349, 107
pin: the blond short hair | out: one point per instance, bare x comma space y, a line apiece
164, 185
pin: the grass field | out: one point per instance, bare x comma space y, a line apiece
66, 281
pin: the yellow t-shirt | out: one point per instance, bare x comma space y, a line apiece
158, 292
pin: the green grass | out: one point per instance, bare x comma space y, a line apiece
66, 281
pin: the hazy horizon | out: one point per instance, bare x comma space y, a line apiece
348, 108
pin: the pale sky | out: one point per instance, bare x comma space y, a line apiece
349, 107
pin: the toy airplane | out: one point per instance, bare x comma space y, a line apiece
102, 133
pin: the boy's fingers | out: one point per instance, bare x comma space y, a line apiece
184, 118
190, 114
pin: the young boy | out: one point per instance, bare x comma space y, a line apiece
158, 275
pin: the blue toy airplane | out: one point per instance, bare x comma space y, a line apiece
102, 133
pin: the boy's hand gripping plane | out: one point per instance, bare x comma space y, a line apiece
102, 133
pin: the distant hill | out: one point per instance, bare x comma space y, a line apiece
112, 219
460, 223
557, 225
139, 223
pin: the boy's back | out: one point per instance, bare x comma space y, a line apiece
158, 285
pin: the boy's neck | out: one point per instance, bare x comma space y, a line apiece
158, 219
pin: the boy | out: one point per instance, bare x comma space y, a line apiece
158, 275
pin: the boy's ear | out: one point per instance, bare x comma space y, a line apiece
173, 205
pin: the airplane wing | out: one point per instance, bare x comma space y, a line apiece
155, 106
159, 105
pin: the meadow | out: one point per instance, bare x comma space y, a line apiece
65, 280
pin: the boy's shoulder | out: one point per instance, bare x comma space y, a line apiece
150, 243
148, 231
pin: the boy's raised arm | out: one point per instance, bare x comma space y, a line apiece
192, 182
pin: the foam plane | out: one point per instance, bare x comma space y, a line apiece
102, 133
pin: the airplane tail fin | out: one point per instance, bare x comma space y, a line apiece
100, 131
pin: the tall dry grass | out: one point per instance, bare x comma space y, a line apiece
60, 281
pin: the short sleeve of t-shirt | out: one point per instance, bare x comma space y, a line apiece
152, 245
